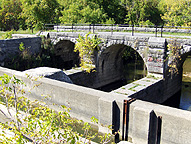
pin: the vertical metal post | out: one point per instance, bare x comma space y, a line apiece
93, 28
72, 27
112, 29
124, 118
133, 30
161, 30
125, 125
89, 27
155, 30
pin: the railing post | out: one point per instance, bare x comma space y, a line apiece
155, 30
93, 28
72, 27
161, 30
112, 29
133, 30
89, 27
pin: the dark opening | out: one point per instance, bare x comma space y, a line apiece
133, 68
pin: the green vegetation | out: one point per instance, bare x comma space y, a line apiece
86, 47
152, 77
34, 121
133, 87
173, 56
176, 12
8, 34
33, 14
25, 60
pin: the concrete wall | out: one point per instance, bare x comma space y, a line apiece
10, 47
108, 108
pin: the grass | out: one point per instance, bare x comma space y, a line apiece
153, 77
18, 32
132, 88
2, 33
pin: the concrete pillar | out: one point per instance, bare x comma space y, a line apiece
156, 55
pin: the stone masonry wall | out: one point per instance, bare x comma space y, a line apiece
10, 47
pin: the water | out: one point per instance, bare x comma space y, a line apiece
185, 99
133, 69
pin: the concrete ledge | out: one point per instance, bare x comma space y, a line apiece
108, 108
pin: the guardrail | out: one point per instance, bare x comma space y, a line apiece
117, 27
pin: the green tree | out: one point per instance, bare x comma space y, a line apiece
10, 14
113, 9
82, 11
38, 12
176, 12
142, 12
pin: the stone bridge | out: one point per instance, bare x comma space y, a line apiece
153, 50
108, 61
108, 107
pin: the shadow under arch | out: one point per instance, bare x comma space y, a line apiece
185, 98
117, 63
64, 50
177, 99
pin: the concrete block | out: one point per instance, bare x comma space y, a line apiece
176, 125
52, 73
140, 125
155, 42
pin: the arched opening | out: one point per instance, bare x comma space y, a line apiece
119, 65
134, 66
185, 99
66, 57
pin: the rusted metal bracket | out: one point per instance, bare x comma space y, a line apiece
125, 125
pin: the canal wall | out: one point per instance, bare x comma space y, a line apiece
9, 48
108, 109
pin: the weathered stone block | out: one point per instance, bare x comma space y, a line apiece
155, 42
47, 72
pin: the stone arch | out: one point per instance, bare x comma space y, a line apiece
134, 44
183, 58
64, 49
110, 64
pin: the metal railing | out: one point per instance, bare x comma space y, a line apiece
118, 28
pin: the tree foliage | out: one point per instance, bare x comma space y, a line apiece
86, 47
176, 12
38, 12
143, 12
34, 121
23, 14
10, 11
